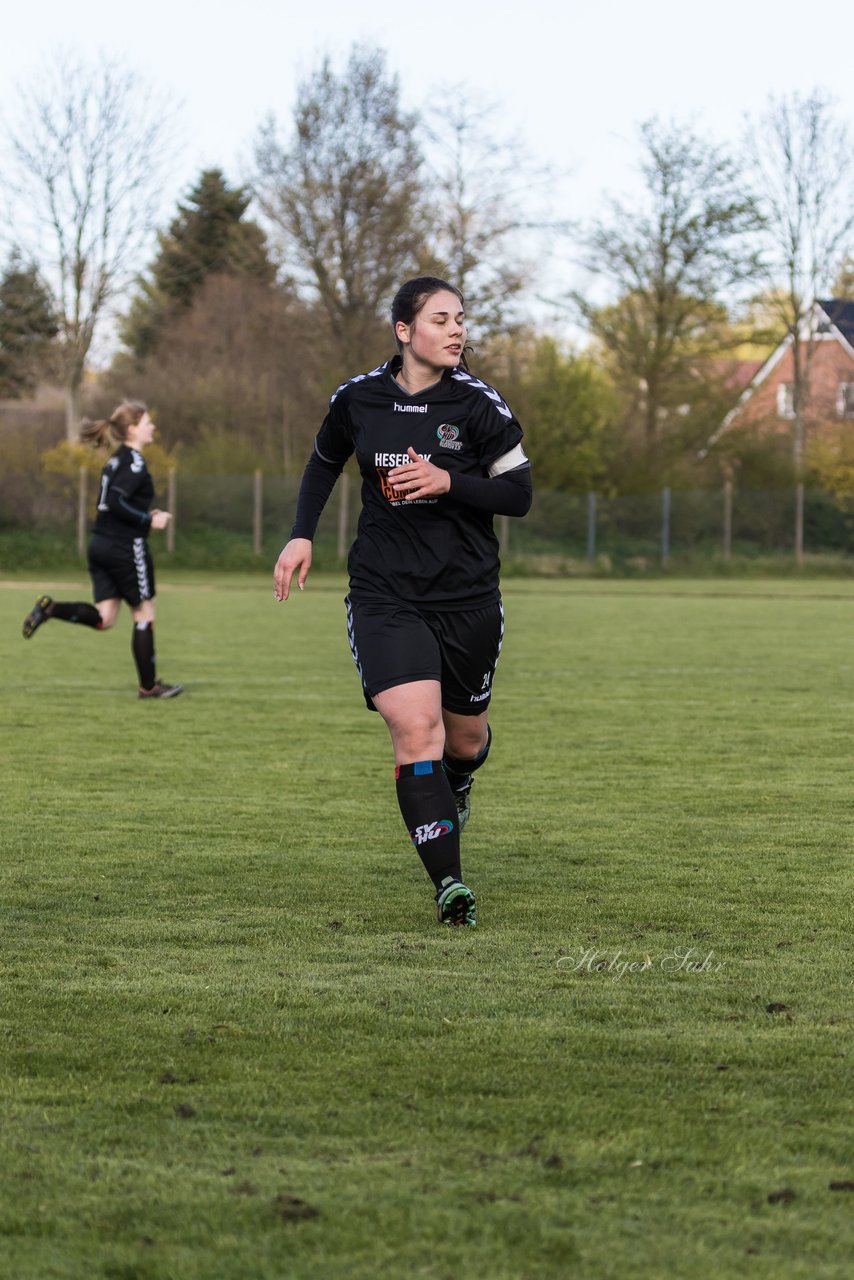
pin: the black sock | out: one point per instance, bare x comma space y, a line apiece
86, 614
430, 814
142, 644
459, 771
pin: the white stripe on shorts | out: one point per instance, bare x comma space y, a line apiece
141, 568
352, 639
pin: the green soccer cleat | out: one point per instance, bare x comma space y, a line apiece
462, 799
455, 904
37, 615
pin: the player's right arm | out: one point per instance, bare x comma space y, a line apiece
294, 559
318, 480
118, 487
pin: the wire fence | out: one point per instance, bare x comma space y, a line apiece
256, 511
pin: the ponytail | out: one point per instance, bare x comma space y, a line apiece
95, 433
113, 429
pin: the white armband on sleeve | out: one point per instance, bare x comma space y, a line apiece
508, 461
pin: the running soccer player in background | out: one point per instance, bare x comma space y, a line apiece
440, 454
120, 563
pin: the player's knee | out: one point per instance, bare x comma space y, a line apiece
467, 742
427, 730
420, 736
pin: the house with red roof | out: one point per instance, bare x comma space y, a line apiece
766, 400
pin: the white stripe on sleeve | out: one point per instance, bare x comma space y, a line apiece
507, 461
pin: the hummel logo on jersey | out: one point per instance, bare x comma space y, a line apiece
138, 463
431, 831
409, 408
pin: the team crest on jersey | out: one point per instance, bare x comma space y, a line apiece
449, 437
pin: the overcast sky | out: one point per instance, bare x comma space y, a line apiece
574, 80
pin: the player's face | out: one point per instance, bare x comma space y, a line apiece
437, 335
143, 433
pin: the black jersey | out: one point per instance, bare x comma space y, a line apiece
433, 551
126, 493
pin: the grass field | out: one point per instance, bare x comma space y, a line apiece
236, 1045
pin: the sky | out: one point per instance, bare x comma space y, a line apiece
572, 80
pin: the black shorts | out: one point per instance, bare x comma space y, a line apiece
123, 571
394, 643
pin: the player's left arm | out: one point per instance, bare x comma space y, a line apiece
506, 491
505, 488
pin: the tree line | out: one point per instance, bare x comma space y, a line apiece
261, 296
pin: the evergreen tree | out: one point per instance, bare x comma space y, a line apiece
209, 236
27, 327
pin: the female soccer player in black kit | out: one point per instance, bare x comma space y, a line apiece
440, 454
120, 562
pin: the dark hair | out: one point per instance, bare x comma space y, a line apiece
114, 428
411, 297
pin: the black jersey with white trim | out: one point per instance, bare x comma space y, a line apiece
434, 551
125, 495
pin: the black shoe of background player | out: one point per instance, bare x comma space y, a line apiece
39, 613
161, 690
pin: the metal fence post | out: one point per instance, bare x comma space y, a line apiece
799, 524
258, 512
727, 519
81, 512
665, 524
171, 497
591, 526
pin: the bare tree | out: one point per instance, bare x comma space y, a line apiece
674, 260
490, 227
843, 284
803, 163
238, 367
345, 196
87, 150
